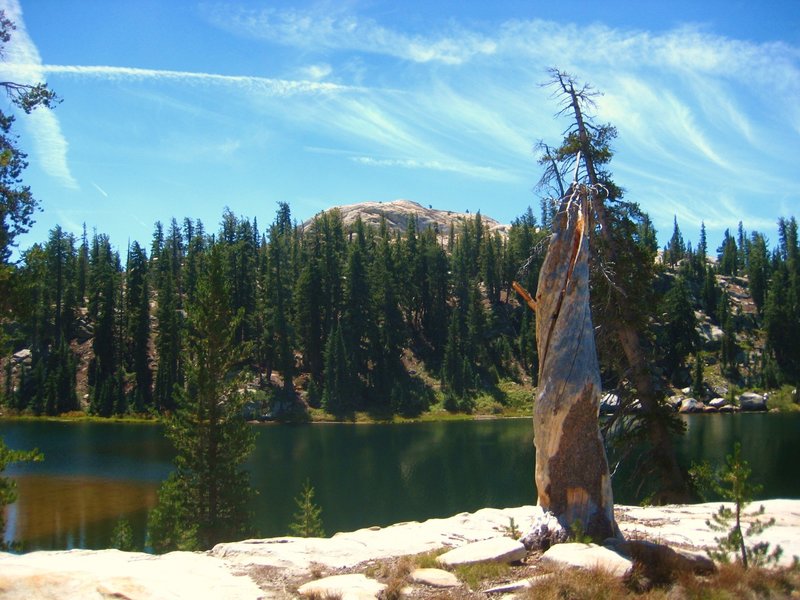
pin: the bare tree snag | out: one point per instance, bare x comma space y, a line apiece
672, 485
572, 477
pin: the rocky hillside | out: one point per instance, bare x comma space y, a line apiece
398, 212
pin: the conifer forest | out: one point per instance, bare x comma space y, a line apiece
357, 318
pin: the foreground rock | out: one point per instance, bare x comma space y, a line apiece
344, 587
495, 550
588, 556
345, 550
103, 574
278, 568
435, 578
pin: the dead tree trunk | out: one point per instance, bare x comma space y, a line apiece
572, 477
672, 486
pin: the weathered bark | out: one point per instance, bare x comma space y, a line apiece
572, 477
673, 486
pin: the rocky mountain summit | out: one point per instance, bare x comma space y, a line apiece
397, 214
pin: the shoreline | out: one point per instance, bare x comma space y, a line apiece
277, 567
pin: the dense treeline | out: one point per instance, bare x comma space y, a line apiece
339, 313
758, 348
331, 311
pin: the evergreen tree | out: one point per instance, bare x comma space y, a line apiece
240, 273
195, 247
389, 333
279, 340
339, 390
83, 268
357, 321
208, 493
646, 235
698, 384
676, 247
758, 269
157, 244
742, 248
710, 293
168, 343
137, 327
680, 325
308, 518
728, 255
106, 394
308, 315
782, 325
702, 246
729, 349
452, 376
436, 294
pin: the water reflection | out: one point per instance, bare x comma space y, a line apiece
74, 512
94, 473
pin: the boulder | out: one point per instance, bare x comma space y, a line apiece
588, 556
752, 402
438, 578
710, 409
23, 356
499, 550
728, 408
718, 402
710, 335
675, 402
691, 405
346, 587
719, 390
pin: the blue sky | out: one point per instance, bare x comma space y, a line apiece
181, 108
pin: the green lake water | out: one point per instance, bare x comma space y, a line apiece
95, 473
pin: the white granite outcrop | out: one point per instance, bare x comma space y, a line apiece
226, 571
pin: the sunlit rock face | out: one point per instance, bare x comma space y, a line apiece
397, 214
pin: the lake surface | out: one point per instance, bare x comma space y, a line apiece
96, 473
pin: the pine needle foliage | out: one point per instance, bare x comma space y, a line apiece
733, 484
308, 518
206, 500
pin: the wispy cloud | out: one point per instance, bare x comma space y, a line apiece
101, 190
49, 142
477, 171
312, 28
316, 72
707, 124
261, 85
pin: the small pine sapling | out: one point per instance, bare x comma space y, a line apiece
308, 518
733, 484
122, 536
